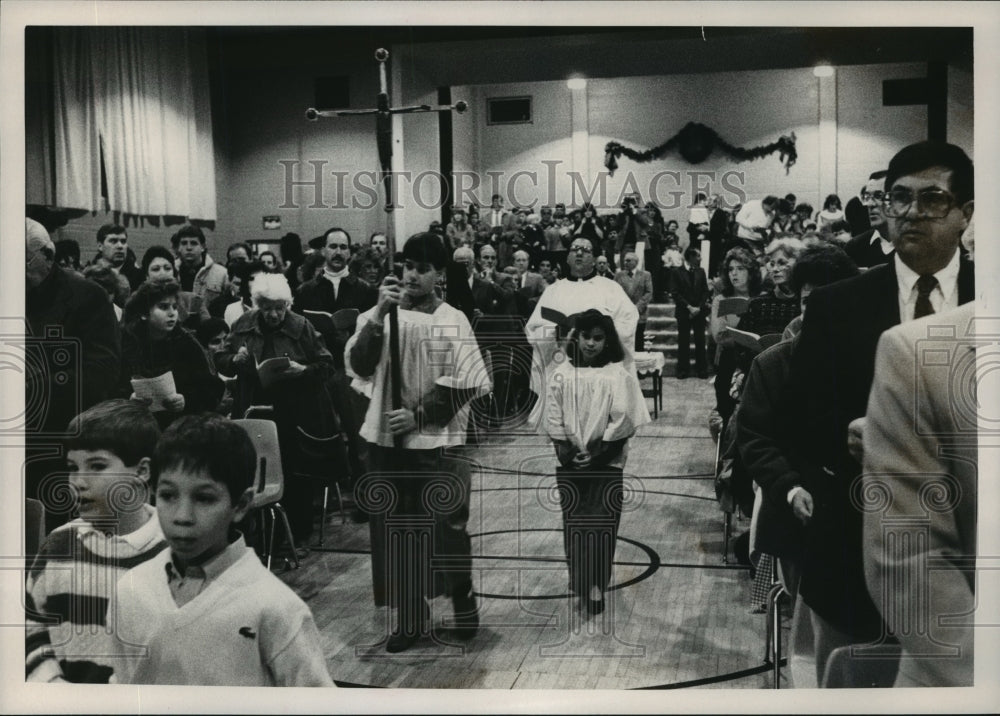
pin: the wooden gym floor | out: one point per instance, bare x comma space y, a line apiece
677, 617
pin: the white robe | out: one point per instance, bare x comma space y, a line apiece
569, 297
592, 405
434, 349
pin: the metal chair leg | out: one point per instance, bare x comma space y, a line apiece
774, 631
340, 502
322, 516
727, 532
767, 634
288, 532
270, 541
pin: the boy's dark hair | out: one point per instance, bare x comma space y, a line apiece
70, 249
124, 428
187, 231
155, 252
820, 265
209, 328
145, 297
426, 247
588, 320
211, 443
108, 230
925, 155
692, 255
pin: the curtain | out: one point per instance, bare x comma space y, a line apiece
139, 97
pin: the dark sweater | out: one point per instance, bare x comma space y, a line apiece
180, 353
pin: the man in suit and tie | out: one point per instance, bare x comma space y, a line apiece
690, 292
497, 220
488, 272
529, 284
498, 330
638, 285
872, 247
928, 203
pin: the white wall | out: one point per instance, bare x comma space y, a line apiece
961, 103
746, 109
506, 149
868, 134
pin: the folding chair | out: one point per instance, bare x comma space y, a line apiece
772, 634
269, 482
319, 460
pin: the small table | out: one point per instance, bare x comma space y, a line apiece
650, 365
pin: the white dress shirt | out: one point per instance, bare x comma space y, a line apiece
944, 297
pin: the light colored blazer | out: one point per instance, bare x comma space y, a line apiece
639, 288
919, 483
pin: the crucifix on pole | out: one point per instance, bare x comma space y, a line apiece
383, 135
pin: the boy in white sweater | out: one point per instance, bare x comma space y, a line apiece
206, 611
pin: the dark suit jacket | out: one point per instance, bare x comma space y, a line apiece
81, 318
496, 301
527, 295
832, 371
690, 288
857, 216
317, 295
864, 253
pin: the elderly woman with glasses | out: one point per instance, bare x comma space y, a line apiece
296, 389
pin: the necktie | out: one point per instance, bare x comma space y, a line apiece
630, 274
925, 284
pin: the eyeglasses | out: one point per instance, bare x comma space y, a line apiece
581, 249
932, 203
873, 197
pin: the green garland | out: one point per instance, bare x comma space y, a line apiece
695, 142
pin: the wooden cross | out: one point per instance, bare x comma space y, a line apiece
383, 134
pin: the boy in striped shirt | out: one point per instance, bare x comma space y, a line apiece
78, 566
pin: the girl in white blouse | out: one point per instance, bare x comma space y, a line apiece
594, 407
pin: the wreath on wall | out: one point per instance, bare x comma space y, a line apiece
695, 143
